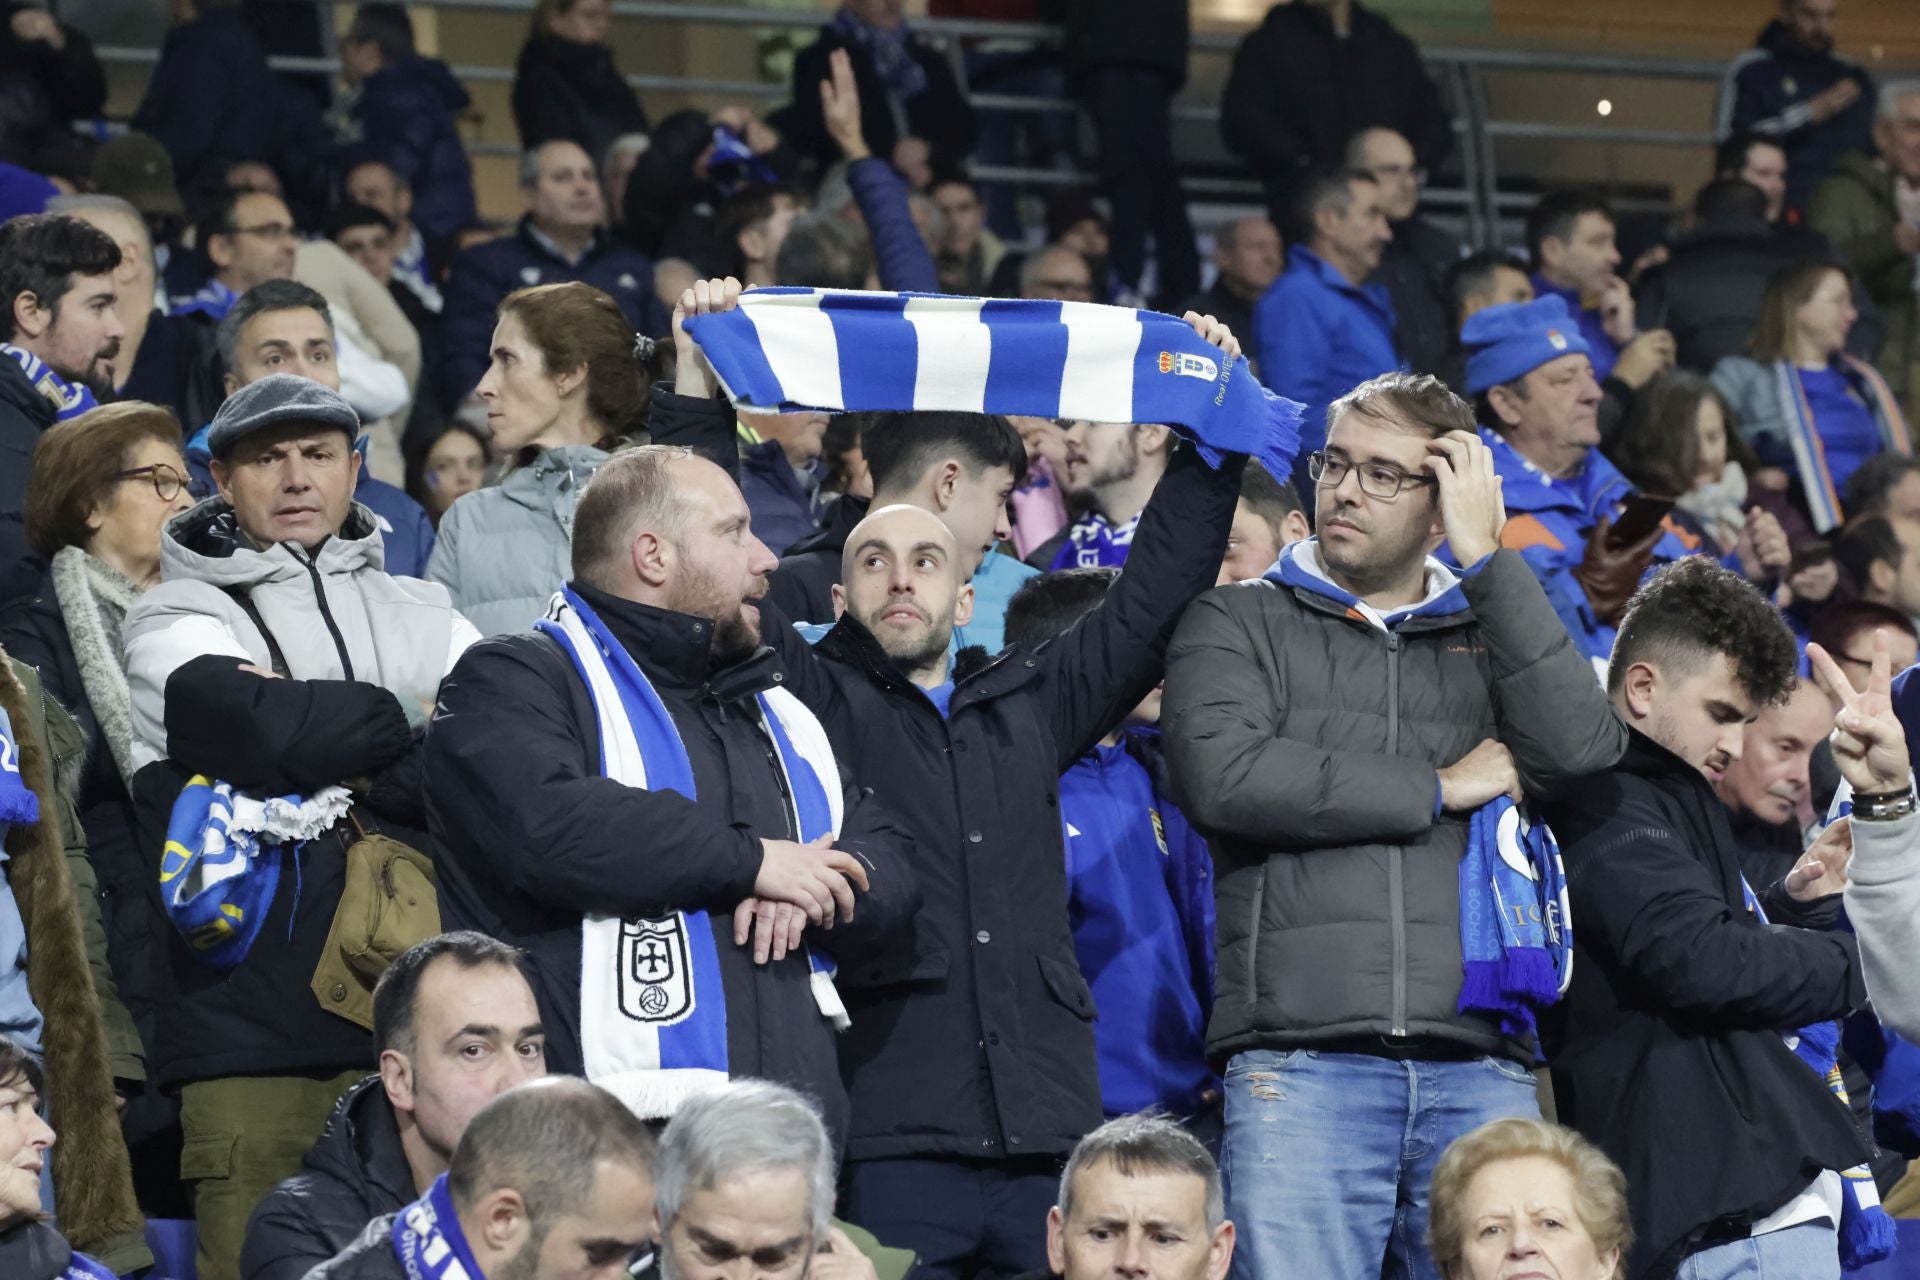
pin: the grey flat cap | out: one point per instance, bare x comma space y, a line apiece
275, 401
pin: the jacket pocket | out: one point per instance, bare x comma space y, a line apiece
1064, 980
209, 1158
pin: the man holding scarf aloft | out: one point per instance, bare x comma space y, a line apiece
630, 795
59, 330
970, 1061
1675, 1048
1336, 728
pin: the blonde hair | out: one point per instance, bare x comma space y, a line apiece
1599, 1188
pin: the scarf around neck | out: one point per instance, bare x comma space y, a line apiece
69, 399
427, 1240
94, 598
892, 52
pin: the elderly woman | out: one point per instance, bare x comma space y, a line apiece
1524, 1197
101, 487
30, 1247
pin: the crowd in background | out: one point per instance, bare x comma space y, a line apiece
1041, 792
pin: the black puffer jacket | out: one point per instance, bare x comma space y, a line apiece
1674, 1020
1304, 741
356, 1172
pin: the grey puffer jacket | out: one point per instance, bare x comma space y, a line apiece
335, 613
1305, 741
504, 551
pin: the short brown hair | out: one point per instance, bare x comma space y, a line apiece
1599, 1188
78, 463
633, 488
1417, 400
575, 324
1787, 292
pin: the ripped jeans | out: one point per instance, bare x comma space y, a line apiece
1328, 1156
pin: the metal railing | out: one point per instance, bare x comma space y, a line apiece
1462, 73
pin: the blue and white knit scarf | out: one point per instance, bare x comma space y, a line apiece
1866, 1232
70, 399
1092, 543
17, 802
653, 1015
221, 866
892, 52
1516, 931
786, 350
1803, 435
427, 1240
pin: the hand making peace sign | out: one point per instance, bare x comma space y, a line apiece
1869, 744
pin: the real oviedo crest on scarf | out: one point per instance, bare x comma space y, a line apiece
655, 971
1188, 365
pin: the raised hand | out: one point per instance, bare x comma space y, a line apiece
1215, 332
692, 375
840, 107
1822, 869
1869, 744
1470, 502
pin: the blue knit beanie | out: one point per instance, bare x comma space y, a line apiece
1513, 339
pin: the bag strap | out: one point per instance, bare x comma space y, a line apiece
277, 660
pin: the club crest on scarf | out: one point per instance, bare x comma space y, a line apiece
1516, 940
656, 975
69, 399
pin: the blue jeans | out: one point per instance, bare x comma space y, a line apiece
1328, 1156
1810, 1251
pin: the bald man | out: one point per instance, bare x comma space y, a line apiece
1059, 274
1247, 257
970, 1059
1414, 265
163, 359
533, 834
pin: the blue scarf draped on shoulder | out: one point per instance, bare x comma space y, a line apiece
70, 399
427, 1240
791, 350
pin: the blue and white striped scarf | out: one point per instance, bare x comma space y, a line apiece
787, 350
70, 399
1516, 929
653, 1013
221, 866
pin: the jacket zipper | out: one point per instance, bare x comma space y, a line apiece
326, 614
1396, 887
1253, 937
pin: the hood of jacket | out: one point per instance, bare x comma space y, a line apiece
554, 475
205, 544
1301, 568
360, 1146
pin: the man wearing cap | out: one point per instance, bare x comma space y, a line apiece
1530, 376
277, 656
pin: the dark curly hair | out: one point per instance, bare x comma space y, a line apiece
1695, 608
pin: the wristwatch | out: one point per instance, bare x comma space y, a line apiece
1884, 807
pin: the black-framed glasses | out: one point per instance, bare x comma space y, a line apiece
167, 482
1380, 480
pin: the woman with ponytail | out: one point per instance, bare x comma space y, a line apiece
565, 386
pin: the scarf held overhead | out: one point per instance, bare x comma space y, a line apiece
653, 1013
787, 350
